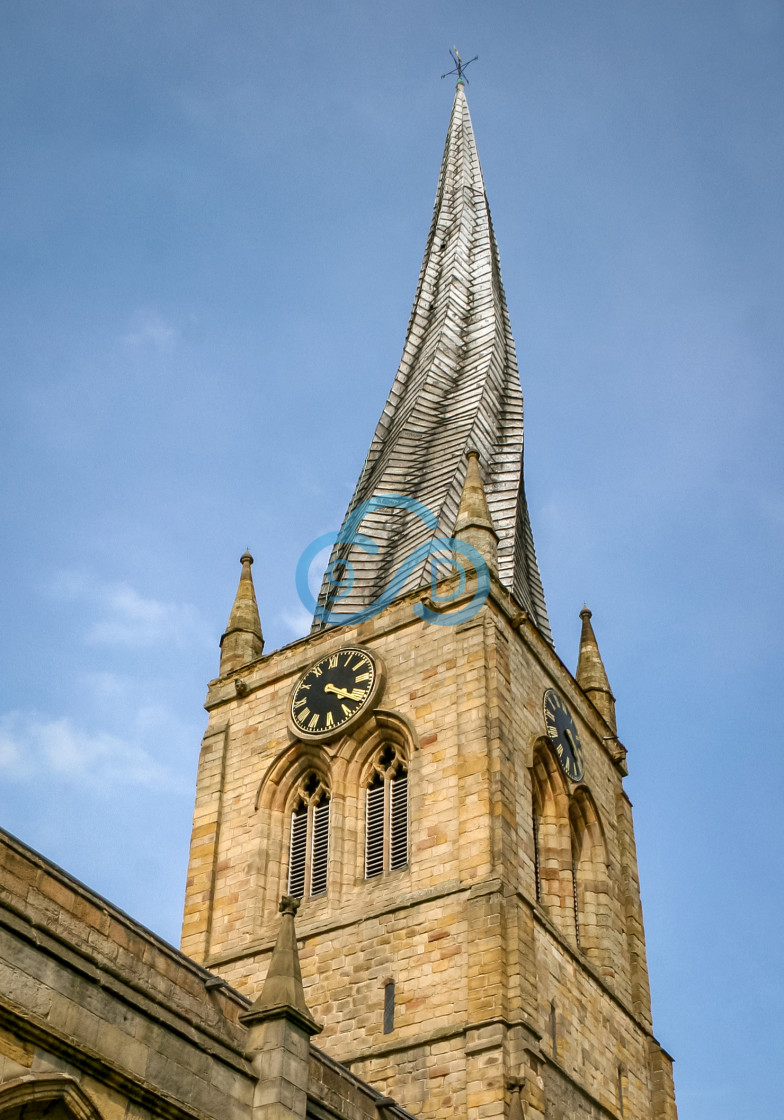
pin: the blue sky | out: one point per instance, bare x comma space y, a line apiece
212, 218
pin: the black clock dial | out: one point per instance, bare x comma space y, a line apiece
563, 734
333, 691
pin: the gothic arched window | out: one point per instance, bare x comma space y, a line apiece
386, 813
309, 845
591, 891
552, 855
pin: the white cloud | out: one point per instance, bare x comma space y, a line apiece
297, 621
130, 619
123, 617
150, 328
33, 746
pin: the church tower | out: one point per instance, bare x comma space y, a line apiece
423, 771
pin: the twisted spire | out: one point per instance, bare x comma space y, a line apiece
457, 389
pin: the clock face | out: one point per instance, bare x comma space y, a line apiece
331, 693
563, 734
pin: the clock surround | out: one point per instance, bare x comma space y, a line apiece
563, 734
335, 693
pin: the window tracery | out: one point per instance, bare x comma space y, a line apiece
386, 812
309, 840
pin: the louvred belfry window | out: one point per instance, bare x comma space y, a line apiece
386, 814
309, 842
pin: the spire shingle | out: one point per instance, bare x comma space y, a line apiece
457, 389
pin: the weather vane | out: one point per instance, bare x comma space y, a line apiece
460, 66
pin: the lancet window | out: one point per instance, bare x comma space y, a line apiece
309, 842
591, 888
386, 813
551, 848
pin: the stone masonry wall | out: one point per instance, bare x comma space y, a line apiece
86, 990
99, 1013
460, 930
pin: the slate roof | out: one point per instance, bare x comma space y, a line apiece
457, 389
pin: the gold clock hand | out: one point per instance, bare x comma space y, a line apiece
341, 693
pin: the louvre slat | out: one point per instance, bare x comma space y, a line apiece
374, 831
319, 859
297, 850
398, 847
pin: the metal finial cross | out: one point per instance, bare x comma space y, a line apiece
460, 66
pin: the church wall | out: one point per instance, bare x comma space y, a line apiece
101, 1020
88, 992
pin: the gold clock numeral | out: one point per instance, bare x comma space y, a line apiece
343, 683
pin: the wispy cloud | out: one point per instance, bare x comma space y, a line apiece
124, 617
33, 745
150, 328
297, 621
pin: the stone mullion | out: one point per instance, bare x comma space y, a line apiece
341, 872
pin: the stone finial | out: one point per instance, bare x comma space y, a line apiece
591, 675
474, 525
243, 641
282, 996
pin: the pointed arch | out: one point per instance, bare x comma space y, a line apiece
385, 785
40, 1094
309, 810
357, 749
551, 839
592, 901
378, 759
277, 797
278, 784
